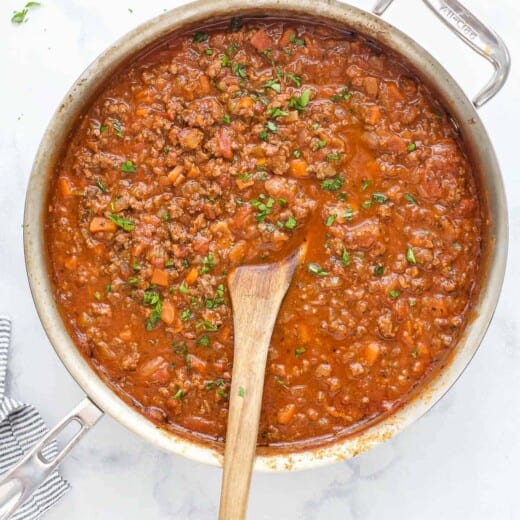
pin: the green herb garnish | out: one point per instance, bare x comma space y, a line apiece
200, 37
123, 223
410, 256
299, 103
21, 16
316, 269
333, 184
101, 186
380, 198
128, 167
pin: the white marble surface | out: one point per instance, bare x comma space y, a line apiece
459, 461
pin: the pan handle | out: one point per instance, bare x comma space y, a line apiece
474, 33
27, 475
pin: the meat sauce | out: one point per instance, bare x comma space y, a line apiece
231, 146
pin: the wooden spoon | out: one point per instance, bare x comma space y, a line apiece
256, 293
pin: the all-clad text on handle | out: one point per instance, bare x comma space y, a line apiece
474, 33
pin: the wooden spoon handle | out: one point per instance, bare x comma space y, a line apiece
254, 316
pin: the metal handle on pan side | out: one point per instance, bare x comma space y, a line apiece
474, 33
26, 476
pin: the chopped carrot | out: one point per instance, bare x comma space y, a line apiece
224, 143
304, 333
192, 276
71, 263
244, 183
205, 85
100, 224
198, 365
261, 41
175, 174
286, 413
160, 277
126, 334
394, 93
298, 168
373, 115
168, 312
141, 112
286, 37
65, 187
372, 351
138, 249
245, 102
237, 252
194, 172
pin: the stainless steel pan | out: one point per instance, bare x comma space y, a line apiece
27, 475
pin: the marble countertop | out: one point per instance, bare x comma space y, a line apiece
459, 461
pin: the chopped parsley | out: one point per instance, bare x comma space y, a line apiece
343, 95
410, 198
128, 167
204, 341
263, 208
186, 315
333, 156
415, 353
299, 351
316, 269
273, 84
241, 391
297, 80
122, 222
217, 300
410, 256
21, 16
101, 186
206, 325
330, 219
345, 258
291, 223
380, 198
349, 213
277, 112
365, 184
411, 147
297, 154
393, 294
208, 52
263, 135
200, 37
333, 184
299, 42
240, 69
379, 270
299, 103
225, 61
208, 263
183, 288
271, 127
153, 298
180, 394
321, 144
116, 125
280, 381
226, 119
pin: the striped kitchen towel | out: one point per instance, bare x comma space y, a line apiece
20, 428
